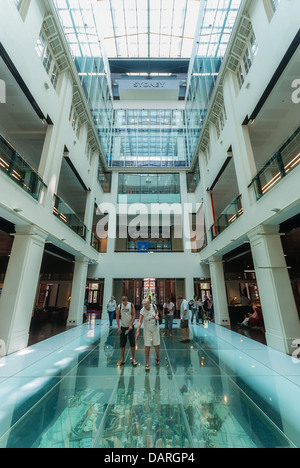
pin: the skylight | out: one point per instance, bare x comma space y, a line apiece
148, 28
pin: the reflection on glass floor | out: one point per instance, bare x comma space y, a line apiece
219, 390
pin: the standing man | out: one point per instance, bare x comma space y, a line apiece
194, 307
184, 322
168, 315
125, 315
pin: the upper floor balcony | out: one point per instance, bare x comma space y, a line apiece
68, 216
149, 188
15, 167
278, 166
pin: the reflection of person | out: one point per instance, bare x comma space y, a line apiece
126, 313
149, 315
109, 348
154, 430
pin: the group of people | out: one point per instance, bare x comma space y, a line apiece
201, 309
149, 315
125, 316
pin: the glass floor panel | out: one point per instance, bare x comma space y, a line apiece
220, 390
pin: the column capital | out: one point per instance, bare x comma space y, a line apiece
30, 230
215, 259
264, 230
82, 259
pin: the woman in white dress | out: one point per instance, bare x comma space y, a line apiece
149, 314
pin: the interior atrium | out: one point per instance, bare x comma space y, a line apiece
149, 151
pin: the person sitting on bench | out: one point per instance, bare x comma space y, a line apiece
255, 319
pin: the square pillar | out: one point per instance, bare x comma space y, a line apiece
20, 287
221, 310
189, 288
75, 317
243, 155
275, 290
108, 292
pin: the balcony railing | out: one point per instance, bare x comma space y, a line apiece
149, 198
149, 247
65, 213
231, 213
13, 165
278, 166
95, 243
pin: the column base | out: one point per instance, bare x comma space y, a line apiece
223, 322
279, 343
18, 342
74, 323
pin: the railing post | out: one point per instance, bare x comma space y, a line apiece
280, 163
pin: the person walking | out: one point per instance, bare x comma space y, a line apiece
206, 307
125, 315
201, 313
185, 317
194, 307
149, 315
168, 315
111, 310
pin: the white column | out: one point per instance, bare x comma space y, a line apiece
20, 287
243, 155
187, 209
75, 317
208, 212
107, 293
275, 290
51, 158
90, 197
111, 241
219, 291
189, 288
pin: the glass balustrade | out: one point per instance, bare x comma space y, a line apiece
12, 164
149, 188
95, 243
163, 246
67, 215
231, 213
199, 245
278, 166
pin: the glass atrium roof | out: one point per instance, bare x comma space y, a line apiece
217, 22
147, 28
151, 29
78, 22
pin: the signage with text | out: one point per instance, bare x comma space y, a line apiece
157, 85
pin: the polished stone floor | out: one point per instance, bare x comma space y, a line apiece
219, 390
